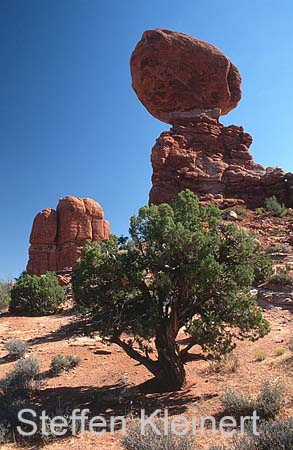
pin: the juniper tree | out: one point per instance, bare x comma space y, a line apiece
180, 269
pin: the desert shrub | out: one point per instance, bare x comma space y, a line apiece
21, 380
34, 295
281, 277
229, 364
16, 347
135, 440
261, 355
267, 404
276, 435
279, 248
274, 206
259, 211
279, 351
60, 363
5, 288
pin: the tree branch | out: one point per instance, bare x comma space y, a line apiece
151, 365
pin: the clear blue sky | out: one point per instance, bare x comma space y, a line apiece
70, 123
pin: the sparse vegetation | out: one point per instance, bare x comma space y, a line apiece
282, 277
135, 440
5, 288
16, 348
267, 404
261, 355
229, 364
180, 268
279, 351
279, 248
274, 206
21, 380
276, 435
259, 211
62, 363
36, 295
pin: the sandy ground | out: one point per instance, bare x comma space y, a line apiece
109, 383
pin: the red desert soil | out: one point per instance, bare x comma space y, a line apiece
107, 381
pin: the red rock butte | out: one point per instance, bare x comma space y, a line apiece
58, 236
190, 84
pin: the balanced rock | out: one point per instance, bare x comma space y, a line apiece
175, 74
58, 237
189, 84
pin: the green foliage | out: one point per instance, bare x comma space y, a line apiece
272, 205
16, 347
282, 277
181, 267
60, 363
34, 295
135, 440
259, 211
5, 288
267, 404
21, 380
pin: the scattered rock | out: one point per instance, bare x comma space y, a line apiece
230, 215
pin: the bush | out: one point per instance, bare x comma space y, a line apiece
134, 440
36, 296
16, 348
272, 205
259, 211
5, 288
21, 380
272, 436
282, 277
279, 248
229, 364
261, 356
279, 351
267, 404
62, 363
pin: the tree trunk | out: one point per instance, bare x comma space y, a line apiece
171, 373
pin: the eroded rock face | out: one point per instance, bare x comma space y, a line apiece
215, 163
174, 73
58, 237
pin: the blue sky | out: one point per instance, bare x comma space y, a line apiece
70, 123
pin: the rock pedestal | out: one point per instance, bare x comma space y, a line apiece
215, 163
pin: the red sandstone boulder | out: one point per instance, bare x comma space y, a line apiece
58, 237
175, 75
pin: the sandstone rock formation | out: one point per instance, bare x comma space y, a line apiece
215, 163
189, 84
58, 237
174, 73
